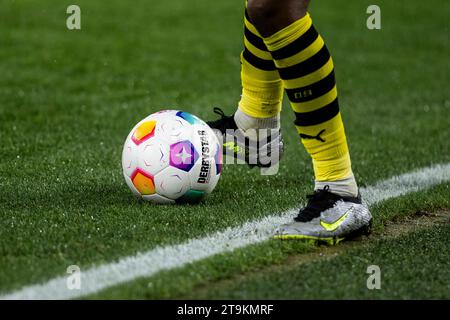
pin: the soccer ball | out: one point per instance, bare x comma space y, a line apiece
172, 157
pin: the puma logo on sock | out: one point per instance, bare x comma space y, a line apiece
317, 137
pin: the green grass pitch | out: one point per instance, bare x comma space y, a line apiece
69, 98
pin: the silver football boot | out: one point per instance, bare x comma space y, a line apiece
328, 218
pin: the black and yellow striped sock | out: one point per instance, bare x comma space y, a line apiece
262, 88
306, 69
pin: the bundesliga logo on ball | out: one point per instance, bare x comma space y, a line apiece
172, 156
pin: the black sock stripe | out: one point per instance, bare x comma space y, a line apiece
313, 91
266, 65
255, 40
318, 116
306, 67
303, 42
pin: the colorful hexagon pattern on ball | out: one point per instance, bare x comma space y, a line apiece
143, 132
143, 182
183, 155
189, 117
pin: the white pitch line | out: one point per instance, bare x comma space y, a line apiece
150, 262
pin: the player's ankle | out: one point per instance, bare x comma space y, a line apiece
345, 187
245, 122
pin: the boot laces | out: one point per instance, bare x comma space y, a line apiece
318, 201
224, 122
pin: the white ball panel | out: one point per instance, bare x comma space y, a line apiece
153, 155
130, 156
172, 183
161, 115
172, 129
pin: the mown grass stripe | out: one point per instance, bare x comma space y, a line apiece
164, 258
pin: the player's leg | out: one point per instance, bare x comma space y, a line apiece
262, 88
306, 68
307, 72
261, 99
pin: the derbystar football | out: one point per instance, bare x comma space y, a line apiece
172, 156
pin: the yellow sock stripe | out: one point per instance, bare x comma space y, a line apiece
332, 168
258, 63
250, 71
262, 91
289, 34
259, 103
317, 103
253, 37
306, 67
257, 52
262, 88
301, 56
311, 78
251, 28
313, 91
